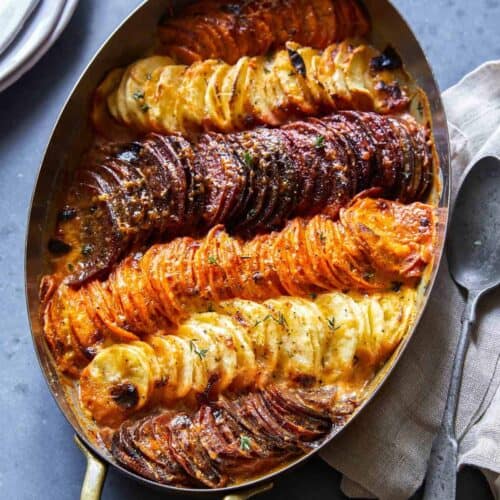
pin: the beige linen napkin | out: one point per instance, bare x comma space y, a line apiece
384, 452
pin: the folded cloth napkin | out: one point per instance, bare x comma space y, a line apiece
384, 452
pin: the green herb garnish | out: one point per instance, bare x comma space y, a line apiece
201, 353
319, 143
245, 444
265, 318
138, 94
279, 319
212, 260
331, 324
248, 159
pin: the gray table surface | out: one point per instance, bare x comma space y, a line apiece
38, 458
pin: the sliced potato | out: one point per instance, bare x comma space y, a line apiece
132, 105
214, 112
260, 103
195, 331
167, 353
355, 68
103, 113
238, 94
343, 326
190, 105
311, 59
296, 349
399, 309
155, 94
215, 347
116, 383
161, 95
262, 334
292, 82
227, 91
238, 358
331, 76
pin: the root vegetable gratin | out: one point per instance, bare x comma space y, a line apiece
245, 244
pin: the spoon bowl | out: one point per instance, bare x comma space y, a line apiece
473, 246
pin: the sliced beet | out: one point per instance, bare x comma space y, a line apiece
283, 195
306, 175
306, 428
234, 175
190, 454
172, 204
178, 178
194, 189
215, 180
258, 158
158, 180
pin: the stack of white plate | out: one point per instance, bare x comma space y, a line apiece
28, 28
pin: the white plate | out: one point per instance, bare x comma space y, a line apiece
13, 15
69, 7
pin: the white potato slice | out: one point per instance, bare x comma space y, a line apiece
311, 58
150, 354
261, 101
399, 309
168, 353
118, 380
263, 335
239, 92
343, 326
356, 66
190, 105
297, 93
213, 104
296, 349
190, 376
104, 105
161, 94
214, 331
132, 105
330, 74
208, 353
228, 90
246, 365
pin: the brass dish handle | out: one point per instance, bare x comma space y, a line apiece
95, 474
249, 493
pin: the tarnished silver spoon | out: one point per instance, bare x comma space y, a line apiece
473, 250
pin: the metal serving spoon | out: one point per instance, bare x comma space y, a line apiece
473, 250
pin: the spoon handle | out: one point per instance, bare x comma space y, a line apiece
440, 483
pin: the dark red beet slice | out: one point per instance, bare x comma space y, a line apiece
190, 454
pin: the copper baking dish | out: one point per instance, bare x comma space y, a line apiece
71, 136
